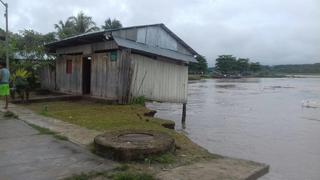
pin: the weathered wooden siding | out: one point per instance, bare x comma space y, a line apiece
47, 77
69, 83
110, 79
158, 80
88, 49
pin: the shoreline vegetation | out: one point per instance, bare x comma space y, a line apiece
231, 67
193, 77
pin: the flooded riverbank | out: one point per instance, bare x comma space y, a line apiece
264, 120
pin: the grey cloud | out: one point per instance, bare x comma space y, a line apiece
272, 32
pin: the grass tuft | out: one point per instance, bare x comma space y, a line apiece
122, 167
132, 176
141, 100
167, 158
42, 130
9, 114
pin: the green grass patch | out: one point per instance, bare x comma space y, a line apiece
167, 158
105, 117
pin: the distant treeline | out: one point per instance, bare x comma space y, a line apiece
295, 68
229, 65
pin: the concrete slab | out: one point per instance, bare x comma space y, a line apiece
218, 169
7, 127
24, 154
75, 133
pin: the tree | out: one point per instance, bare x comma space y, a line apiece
226, 64
111, 24
242, 65
75, 25
30, 44
200, 67
255, 67
83, 23
65, 29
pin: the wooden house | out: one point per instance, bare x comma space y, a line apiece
121, 64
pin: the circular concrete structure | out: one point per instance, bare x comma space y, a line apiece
132, 144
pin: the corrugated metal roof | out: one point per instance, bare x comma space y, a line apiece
153, 50
99, 36
93, 34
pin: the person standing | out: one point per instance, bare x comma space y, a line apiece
4, 82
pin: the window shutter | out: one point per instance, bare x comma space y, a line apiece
69, 67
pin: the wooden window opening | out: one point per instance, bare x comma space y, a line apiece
69, 67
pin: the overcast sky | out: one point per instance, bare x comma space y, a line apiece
268, 31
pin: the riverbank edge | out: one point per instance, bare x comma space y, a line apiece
84, 137
194, 77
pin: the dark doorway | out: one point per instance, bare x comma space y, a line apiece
86, 75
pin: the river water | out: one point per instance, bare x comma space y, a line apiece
271, 120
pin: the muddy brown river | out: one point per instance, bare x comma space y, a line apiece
269, 120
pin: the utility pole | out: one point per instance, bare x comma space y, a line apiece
7, 33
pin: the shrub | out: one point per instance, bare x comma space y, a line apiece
138, 100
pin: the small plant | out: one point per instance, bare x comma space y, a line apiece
132, 176
122, 167
139, 100
44, 110
9, 114
167, 158
21, 85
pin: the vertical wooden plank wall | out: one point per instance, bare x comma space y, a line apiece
159, 80
69, 83
125, 74
110, 79
47, 77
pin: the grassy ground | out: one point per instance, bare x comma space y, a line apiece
104, 117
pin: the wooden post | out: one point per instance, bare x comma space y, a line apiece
184, 112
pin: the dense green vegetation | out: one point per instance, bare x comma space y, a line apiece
296, 68
200, 67
230, 65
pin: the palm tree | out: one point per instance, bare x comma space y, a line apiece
65, 29
83, 23
111, 24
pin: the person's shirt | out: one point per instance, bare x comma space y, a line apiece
4, 76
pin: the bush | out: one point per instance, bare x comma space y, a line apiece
138, 100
